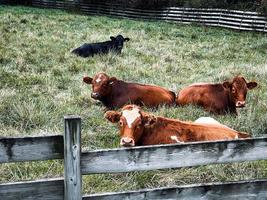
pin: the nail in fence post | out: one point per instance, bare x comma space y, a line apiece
72, 158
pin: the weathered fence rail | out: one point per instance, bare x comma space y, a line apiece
234, 19
231, 190
173, 156
31, 148
77, 163
52, 189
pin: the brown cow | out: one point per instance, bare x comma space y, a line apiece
116, 93
139, 128
217, 98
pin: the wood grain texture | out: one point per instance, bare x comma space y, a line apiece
50, 189
241, 190
72, 158
31, 148
173, 156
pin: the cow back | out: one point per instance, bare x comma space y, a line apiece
123, 93
167, 131
213, 97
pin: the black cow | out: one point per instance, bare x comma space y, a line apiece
87, 49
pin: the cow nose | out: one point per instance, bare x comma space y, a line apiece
95, 95
127, 142
240, 104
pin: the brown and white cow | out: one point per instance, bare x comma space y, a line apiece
218, 98
140, 128
114, 93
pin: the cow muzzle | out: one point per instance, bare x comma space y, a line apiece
127, 142
240, 104
95, 95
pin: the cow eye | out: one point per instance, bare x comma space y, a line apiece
120, 123
233, 90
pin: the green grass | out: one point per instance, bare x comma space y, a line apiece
41, 81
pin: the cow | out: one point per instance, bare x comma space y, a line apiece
90, 49
139, 128
218, 98
115, 93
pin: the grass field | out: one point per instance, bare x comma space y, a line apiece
41, 81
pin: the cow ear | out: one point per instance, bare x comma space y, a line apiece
148, 120
126, 39
112, 116
111, 80
87, 80
251, 85
112, 38
226, 84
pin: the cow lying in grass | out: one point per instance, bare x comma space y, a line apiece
90, 49
114, 93
217, 98
140, 128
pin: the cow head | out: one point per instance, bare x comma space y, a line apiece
132, 122
118, 41
101, 85
238, 90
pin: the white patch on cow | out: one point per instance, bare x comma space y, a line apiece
199, 84
236, 137
210, 120
207, 120
175, 138
131, 116
99, 78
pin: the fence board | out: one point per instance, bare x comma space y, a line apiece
50, 189
173, 156
256, 189
241, 28
72, 155
31, 148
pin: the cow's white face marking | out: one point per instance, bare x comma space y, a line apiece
99, 78
131, 116
175, 138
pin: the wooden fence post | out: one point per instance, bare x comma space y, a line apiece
72, 158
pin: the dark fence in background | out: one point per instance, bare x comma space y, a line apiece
250, 16
245, 5
204, 12
16, 2
239, 20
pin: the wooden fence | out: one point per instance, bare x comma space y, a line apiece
77, 163
234, 19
